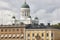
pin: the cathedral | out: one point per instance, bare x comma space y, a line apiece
28, 29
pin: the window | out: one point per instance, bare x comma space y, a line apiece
17, 29
5, 30
1, 30
9, 29
51, 34
25, 13
9, 37
42, 34
5, 37
47, 34
13, 29
1, 37
28, 35
51, 39
14, 37
17, 37
33, 34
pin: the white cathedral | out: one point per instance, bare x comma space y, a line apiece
25, 16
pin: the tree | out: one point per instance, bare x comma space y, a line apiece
56, 26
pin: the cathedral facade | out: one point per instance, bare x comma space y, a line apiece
28, 29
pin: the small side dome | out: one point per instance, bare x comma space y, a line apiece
21, 23
25, 5
36, 17
13, 17
29, 16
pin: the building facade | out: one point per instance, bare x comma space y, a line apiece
12, 32
42, 34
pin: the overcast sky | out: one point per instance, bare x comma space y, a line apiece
45, 10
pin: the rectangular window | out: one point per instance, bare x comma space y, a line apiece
13, 29
28, 35
5, 30
47, 35
9, 37
42, 34
1, 30
17, 29
5, 37
13, 37
9, 30
17, 37
33, 34
51, 34
1, 37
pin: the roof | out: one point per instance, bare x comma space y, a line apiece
29, 26
39, 27
12, 26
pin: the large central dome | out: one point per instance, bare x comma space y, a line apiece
25, 5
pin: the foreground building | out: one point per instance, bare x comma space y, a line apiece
42, 33
28, 29
12, 32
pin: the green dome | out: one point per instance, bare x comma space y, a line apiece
36, 17
25, 5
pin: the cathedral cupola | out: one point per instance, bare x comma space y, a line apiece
25, 10
25, 14
25, 5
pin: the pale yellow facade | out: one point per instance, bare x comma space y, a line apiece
57, 35
45, 34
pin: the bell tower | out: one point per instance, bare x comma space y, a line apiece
25, 10
25, 13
